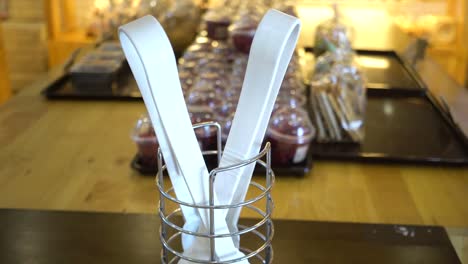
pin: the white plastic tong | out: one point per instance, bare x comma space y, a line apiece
272, 48
153, 64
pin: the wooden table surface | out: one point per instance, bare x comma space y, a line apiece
75, 155
71, 237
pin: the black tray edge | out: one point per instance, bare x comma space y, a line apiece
49, 93
447, 117
299, 170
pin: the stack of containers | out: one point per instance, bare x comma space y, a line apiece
101, 71
212, 70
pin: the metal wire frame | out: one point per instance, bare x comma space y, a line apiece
166, 219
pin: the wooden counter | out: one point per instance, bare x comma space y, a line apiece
75, 155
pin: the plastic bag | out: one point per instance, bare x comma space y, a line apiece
333, 33
338, 98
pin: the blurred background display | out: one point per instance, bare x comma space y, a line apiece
48, 31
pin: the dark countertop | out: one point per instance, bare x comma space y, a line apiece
76, 237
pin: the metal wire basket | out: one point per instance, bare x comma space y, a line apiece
256, 238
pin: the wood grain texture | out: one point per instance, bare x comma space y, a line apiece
76, 155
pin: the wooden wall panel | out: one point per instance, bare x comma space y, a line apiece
5, 91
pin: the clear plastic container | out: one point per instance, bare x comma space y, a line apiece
186, 80
243, 30
220, 69
232, 93
206, 136
239, 66
217, 22
224, 49
146, 141
181, 22
96, 76
202, 99
226, 125
115, 56
290, 132
289, 101
288, 91
110, 46
195, 52
209, 82
95, 66
202, 39
224, 111
190, 66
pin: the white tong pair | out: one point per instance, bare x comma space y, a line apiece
154, 67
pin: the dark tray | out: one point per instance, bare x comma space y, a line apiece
92, 237
299, 169
63, 89
401, 128
386, 73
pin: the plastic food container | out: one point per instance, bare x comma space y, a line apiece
225, 110
224, 49
208, 86
117, 56
224, 114
110, 46
190, 66
226, 127
186, 80
97, 76
219, 70
145, 139
206, 136
200, 99
289, 101
243, 31
195, 54
217, 23
290, 132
